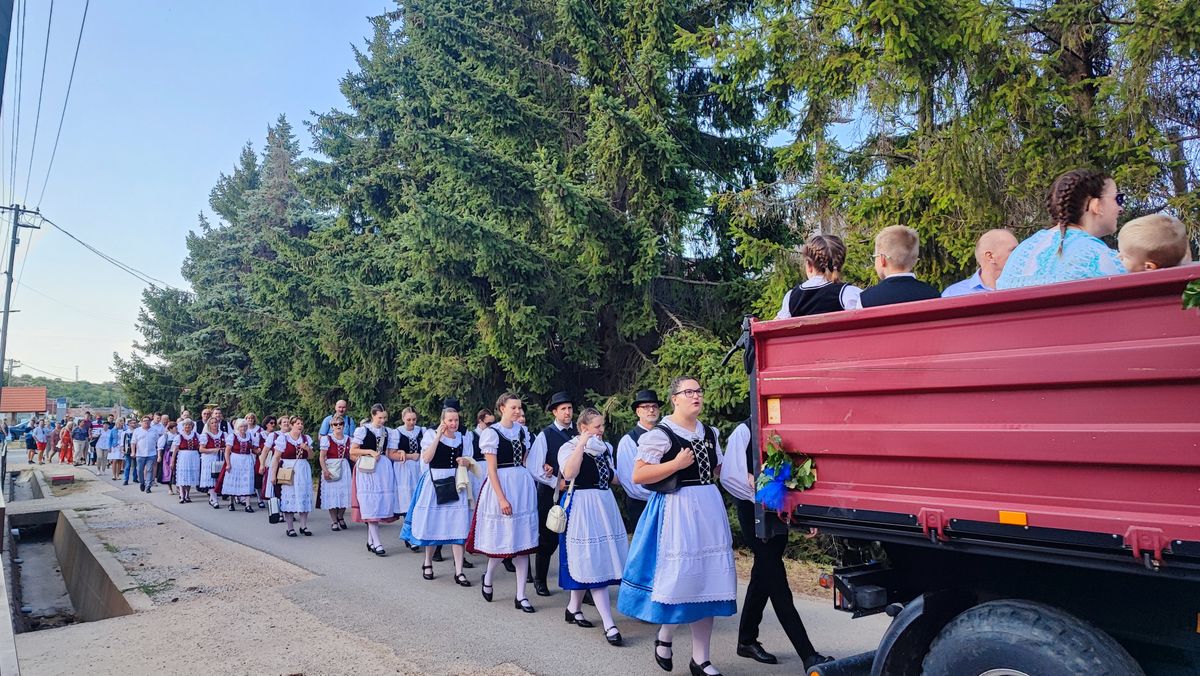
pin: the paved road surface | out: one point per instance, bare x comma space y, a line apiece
387, 597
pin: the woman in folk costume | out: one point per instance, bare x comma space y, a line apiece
258, 436
212, 444
433, 518
166, 457
241, 450
292, 451
408, 471
335, 473
505, 522
187, 459
680, 568
274, 426
373, 493
594, 547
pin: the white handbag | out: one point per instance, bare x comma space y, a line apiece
556, 518
365, 464
334, 467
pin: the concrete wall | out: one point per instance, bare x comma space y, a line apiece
8, 641
99, 587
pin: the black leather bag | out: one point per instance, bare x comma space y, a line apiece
445, 490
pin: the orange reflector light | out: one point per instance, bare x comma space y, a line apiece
825, 581
773, 414
1014, 518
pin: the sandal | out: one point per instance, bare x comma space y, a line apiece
485, 589
334, 527
427, 575
291, 533
342, 524
249, 509
305, 531
461, 580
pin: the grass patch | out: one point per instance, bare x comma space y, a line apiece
152, 589
111, 548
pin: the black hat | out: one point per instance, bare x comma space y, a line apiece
645, 397
557, 399
451, 402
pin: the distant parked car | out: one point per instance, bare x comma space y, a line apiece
17, 432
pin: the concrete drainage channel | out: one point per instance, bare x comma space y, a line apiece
58, 572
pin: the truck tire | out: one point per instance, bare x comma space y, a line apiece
1014, 637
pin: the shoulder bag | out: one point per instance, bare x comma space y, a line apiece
334, 467
284, 476
365, 464
556, 518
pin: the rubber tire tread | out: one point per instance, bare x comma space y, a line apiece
1052, 642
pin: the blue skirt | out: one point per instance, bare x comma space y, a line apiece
565, 581
638, 580
406, 532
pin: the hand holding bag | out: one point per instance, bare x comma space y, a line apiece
273, 515
556, 518
365, 464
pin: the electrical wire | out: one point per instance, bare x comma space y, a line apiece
37, 118
23, 365
16, 131
141, 276
66, 100
63, 304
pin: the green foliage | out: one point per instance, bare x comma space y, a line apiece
801, 475
78, 392
1191, 295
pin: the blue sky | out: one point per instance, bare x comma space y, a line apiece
165, 95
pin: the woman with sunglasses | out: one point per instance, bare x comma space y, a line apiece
335, 473
680, 568
1084, 206
187, 459
292, 451
241, 449
212, 445
373, 493
440, 515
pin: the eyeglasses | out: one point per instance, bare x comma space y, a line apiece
337, 424
692, 394
1120, 199
647, 405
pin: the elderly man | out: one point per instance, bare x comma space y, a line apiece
991, 253
338, 409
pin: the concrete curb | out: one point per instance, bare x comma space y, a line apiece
99, 586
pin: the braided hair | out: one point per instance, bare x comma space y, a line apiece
826, 254
1069, 196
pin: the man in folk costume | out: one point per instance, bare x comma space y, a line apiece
646, 407
543, 463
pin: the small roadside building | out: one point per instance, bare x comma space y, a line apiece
16, 402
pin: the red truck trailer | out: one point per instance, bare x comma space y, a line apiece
1014, 476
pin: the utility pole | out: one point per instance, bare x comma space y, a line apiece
17, 212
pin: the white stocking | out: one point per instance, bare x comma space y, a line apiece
701, 636
522, 565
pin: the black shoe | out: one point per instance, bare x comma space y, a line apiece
380, 551
467, 564
147, 489
815, 659
576, 619
437, 555
756, 652
587, 598
524, 605
262, 505
539, 586
665, 663
232, 506
508, 565
342, 524
461, 580
427, 572
126, 483
370, 548
485, 589
305, 531
291, 533
612, 636
698, 669
249, 509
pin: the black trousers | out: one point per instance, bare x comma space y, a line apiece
633, 512
547, 539
768, 582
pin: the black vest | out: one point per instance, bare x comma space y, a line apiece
411, 444
816, 300
700, 472
595, 473
555, 438
511, 453
372, 442
445, 457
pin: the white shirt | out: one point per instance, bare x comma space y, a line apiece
142, 440
626, 459
734, 474
489, 439
537, 458
165, 442
219, 437
850, 296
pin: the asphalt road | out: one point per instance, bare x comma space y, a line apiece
446, 627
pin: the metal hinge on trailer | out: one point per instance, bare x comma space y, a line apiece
1147, 544
933, 524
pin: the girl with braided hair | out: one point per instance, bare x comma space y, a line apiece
1084, 206
822, 291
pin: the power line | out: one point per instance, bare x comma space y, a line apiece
66, 99
22, 9
141, 276
62, 303
23, 365
37, 119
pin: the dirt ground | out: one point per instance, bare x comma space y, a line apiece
199, 604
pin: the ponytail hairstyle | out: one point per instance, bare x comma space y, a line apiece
377, 408
1069, 197
826, 254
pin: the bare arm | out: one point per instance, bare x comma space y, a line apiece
570, 469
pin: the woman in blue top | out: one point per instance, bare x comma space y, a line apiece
1084, 206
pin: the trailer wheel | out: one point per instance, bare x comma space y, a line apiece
1023, 638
